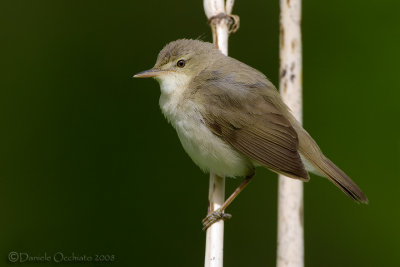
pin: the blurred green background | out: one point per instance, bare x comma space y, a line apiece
89, 165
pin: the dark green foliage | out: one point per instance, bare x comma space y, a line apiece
89, 165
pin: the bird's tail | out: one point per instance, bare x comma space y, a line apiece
312, 153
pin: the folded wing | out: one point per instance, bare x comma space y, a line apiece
252, 124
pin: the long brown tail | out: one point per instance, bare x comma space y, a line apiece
310, 150
339, 178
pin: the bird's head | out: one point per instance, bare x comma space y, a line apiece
180, 61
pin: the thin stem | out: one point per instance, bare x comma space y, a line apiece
290, 196
215, 233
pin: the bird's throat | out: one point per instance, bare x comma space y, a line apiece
173, 83
172, 100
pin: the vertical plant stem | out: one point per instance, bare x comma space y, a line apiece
215, 233
290, 250
216, 12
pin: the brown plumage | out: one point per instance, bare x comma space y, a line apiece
247, 112
225, 111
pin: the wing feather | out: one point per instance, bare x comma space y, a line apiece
244, 115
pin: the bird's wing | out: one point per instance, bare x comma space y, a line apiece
243, 115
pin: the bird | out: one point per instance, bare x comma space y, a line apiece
231, 119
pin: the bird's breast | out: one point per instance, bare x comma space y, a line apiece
207, 150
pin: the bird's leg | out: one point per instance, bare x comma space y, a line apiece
219, 214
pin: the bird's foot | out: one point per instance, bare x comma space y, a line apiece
214, 217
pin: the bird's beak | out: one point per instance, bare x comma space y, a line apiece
148, 73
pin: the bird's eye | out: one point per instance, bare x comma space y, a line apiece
181, 63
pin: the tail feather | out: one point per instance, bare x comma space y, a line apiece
312, 153
339, 178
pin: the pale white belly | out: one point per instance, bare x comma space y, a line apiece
208, 151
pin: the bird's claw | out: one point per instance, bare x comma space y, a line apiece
213, 217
